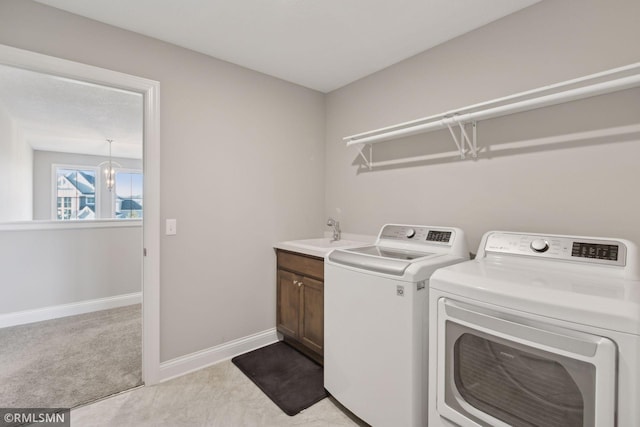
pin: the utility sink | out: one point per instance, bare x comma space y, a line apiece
327, 242
322, 246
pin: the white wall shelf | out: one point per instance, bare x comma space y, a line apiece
608, 81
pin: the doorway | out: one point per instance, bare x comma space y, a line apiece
87, 204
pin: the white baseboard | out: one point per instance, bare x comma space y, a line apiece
63, 310
201, 359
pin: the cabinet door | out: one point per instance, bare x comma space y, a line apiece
312, 314
288, 309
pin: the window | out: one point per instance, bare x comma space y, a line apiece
75, 193
128, 201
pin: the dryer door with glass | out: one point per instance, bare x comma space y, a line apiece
496, 369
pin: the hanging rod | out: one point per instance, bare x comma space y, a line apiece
488, 109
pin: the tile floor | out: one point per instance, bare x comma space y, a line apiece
220, 395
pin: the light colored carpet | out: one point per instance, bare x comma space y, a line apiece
71, 361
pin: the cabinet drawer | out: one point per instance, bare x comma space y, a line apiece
305, 265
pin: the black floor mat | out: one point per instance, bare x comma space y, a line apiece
290, 379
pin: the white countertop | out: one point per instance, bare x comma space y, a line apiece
320, 247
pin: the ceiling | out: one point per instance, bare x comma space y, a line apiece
320, 44
64, 115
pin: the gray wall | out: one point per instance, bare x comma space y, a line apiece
16, 166
42, 176
44, 268
242, 167
566, 169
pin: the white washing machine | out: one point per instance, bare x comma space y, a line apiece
538, 330
376, 321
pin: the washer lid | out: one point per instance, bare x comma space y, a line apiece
571, 295
381, 251
377, 259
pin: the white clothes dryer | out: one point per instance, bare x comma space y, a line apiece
375, 321
538, 330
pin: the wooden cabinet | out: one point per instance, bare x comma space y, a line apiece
300, 306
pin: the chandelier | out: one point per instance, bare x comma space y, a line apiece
109, 169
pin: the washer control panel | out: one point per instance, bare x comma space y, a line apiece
565, 248
417, 234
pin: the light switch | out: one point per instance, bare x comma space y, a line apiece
171, 227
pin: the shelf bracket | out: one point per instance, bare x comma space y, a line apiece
473, 145
449, 122
463, 141
368, 162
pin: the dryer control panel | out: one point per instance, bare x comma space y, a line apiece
566, 248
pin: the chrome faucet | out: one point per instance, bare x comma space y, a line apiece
336, 229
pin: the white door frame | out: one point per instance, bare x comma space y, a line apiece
150, 91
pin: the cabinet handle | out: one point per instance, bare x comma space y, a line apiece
295, 282
300, 284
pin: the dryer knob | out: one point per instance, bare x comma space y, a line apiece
540, 245
410, 233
